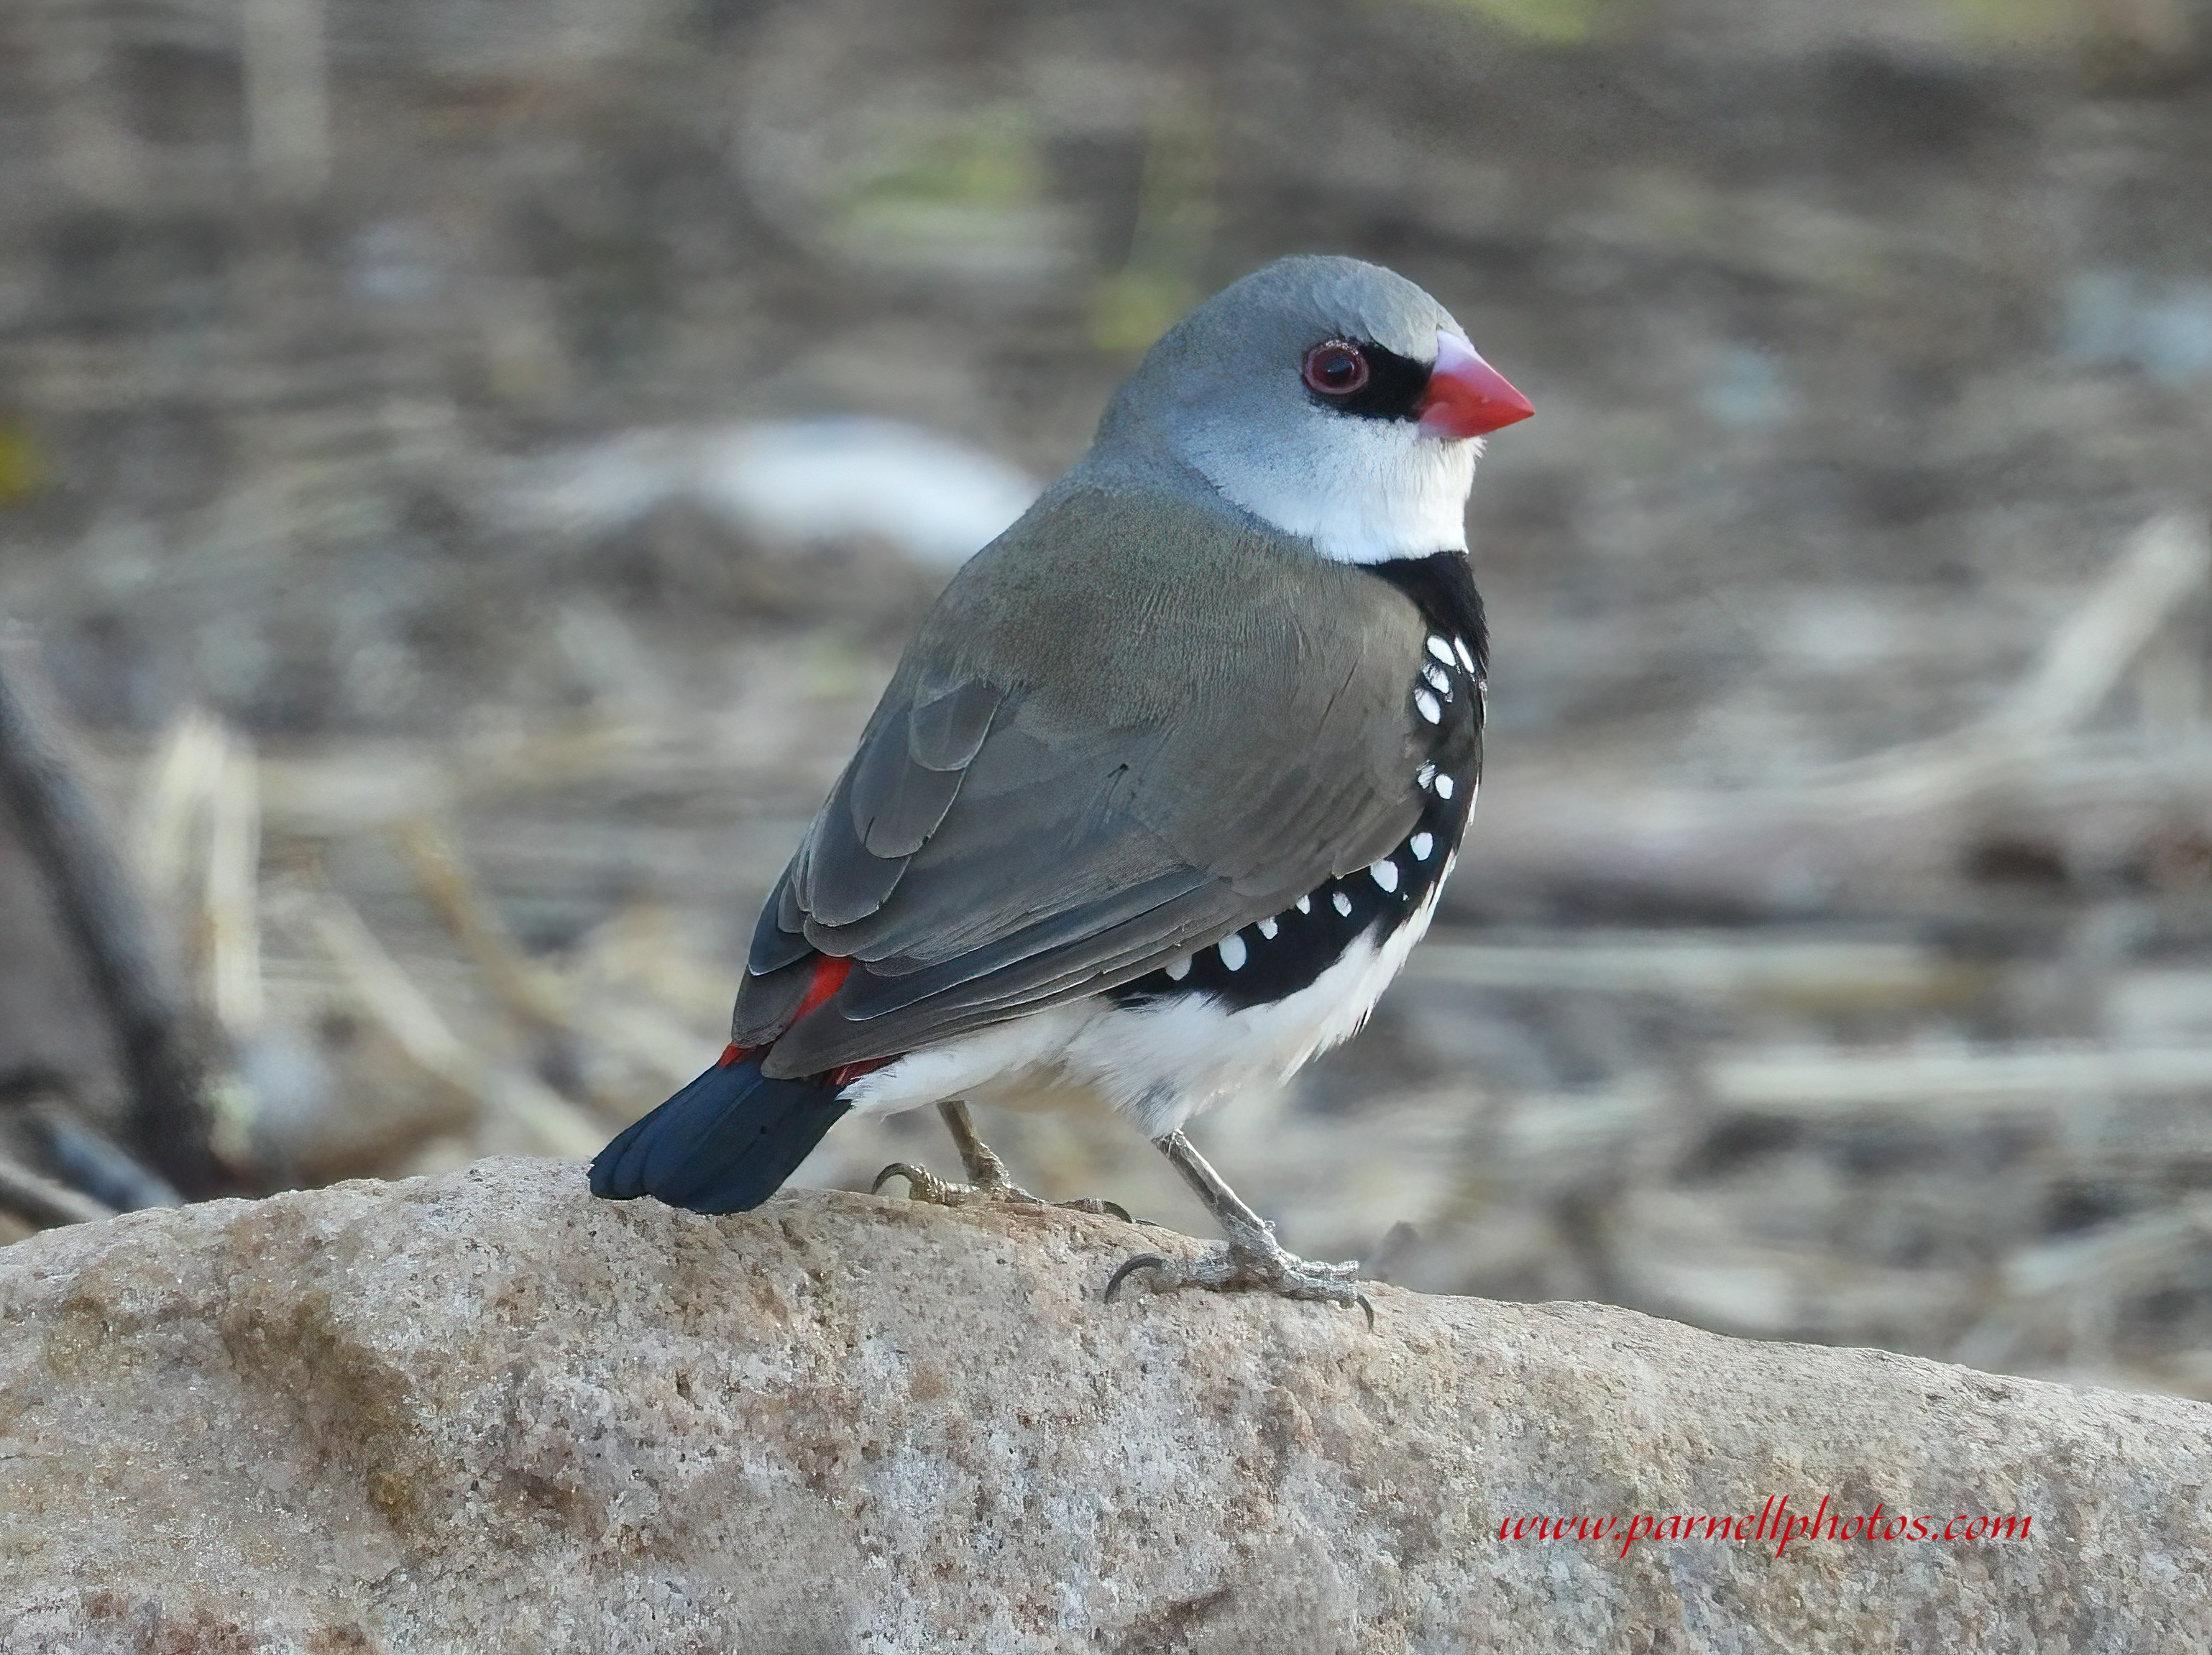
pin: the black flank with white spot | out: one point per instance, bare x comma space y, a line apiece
1275, 957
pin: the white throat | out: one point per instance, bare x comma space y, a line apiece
1363, 491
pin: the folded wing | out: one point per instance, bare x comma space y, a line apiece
1128, 728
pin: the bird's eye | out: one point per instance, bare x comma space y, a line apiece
1336, 369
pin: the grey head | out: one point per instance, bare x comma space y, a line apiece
1332, 399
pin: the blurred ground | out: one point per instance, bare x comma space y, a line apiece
382, 464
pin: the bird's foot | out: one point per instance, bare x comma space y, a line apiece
921, 1184
1251, 1262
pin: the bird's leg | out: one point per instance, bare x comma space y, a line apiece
1252, 1261
985, 1169
987, 1177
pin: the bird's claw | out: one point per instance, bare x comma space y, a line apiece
1098, 1205
924, 1185
1130, 1267
1247, 1267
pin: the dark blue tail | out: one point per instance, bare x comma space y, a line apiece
723, 1144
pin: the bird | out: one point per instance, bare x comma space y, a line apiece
1165, 788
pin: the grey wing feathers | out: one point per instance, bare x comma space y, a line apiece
911, 763
1031, 816
905, 782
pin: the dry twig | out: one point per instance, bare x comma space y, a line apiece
43, 1200
163, 1052
529, 991
1820, 1083
1802, 969
549, 1121
1907, 814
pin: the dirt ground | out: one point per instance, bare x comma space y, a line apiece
1832, 955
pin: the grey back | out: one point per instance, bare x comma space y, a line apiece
1135, 723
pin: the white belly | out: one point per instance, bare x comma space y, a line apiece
1158, 1064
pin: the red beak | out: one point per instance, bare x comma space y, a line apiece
1467, 397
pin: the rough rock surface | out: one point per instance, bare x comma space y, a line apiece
486, 1413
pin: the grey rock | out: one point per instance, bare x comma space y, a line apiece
485, 1412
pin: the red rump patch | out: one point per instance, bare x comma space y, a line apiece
830, 975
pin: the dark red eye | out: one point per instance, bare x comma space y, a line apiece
1335, 368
